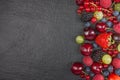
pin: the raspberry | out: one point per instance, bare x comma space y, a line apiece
116, 62
117, 28
87, 60
105, 3
98, 77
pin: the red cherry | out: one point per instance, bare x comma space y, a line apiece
92, 9
87, 77
99, 8
93, 20
87, 9
89, 33
86, 49
96, 67
77, 68
86, 4
101, 27
79, 2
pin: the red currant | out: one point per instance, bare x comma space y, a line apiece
93, 20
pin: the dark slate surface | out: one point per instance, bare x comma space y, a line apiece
37, 39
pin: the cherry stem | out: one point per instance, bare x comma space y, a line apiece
113, 4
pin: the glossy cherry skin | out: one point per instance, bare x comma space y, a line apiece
86, 49
89, 33
77, 68
96, 67
101, 27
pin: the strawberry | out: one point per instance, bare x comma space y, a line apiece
105, 3
103, 40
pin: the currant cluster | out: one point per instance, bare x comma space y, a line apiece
100, 41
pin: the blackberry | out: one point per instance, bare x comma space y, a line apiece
97, 55
86, 16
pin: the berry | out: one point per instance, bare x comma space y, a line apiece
104, 20
87, 60
106, 59
86, 49
87, 24
77, 68
79, 39
110, 68
116, 62
96, 67
105, 3
101, 27
93, 20
98, 15
115, 13
116, 28
91, 74
87, 69
118, 18
98, 77
95, 45
117, 7
113, 77
86, 16
106, 73
118, 56
109, 24
97, 55
89, 33
117, 71
79, 2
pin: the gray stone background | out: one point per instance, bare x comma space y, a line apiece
37, 39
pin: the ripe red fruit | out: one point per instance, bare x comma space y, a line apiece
116, 28
87, 60
93, 20
101, 27
89, 33
86, 49
116, 62
105, 3
98, 77
77, 68
79, 2
113, 77
96, 67
116, 1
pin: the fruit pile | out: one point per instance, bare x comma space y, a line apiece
100, 41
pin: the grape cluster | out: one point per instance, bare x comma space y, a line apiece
100, 42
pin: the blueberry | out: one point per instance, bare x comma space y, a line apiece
91, 74
95, 45
106, 73
118, 18
118, 56
115, 13
104, 20
110, 68
110, 24
87, 24
87, 69
117, 71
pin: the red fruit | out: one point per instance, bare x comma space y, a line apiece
105, 3
77, 68
89, 33
98, 77
96, 67
113, 77
87, 9
116, 62
116, 28
87, 60
116, 1
101, 27
86, 49
79, 2
93, 20
92, 9
103, 40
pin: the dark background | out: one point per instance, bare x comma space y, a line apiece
37, 39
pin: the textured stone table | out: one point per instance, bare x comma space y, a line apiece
37, 39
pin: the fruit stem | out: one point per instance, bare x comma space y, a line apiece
113, 4
93, 4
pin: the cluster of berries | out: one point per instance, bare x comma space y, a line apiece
100, 41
